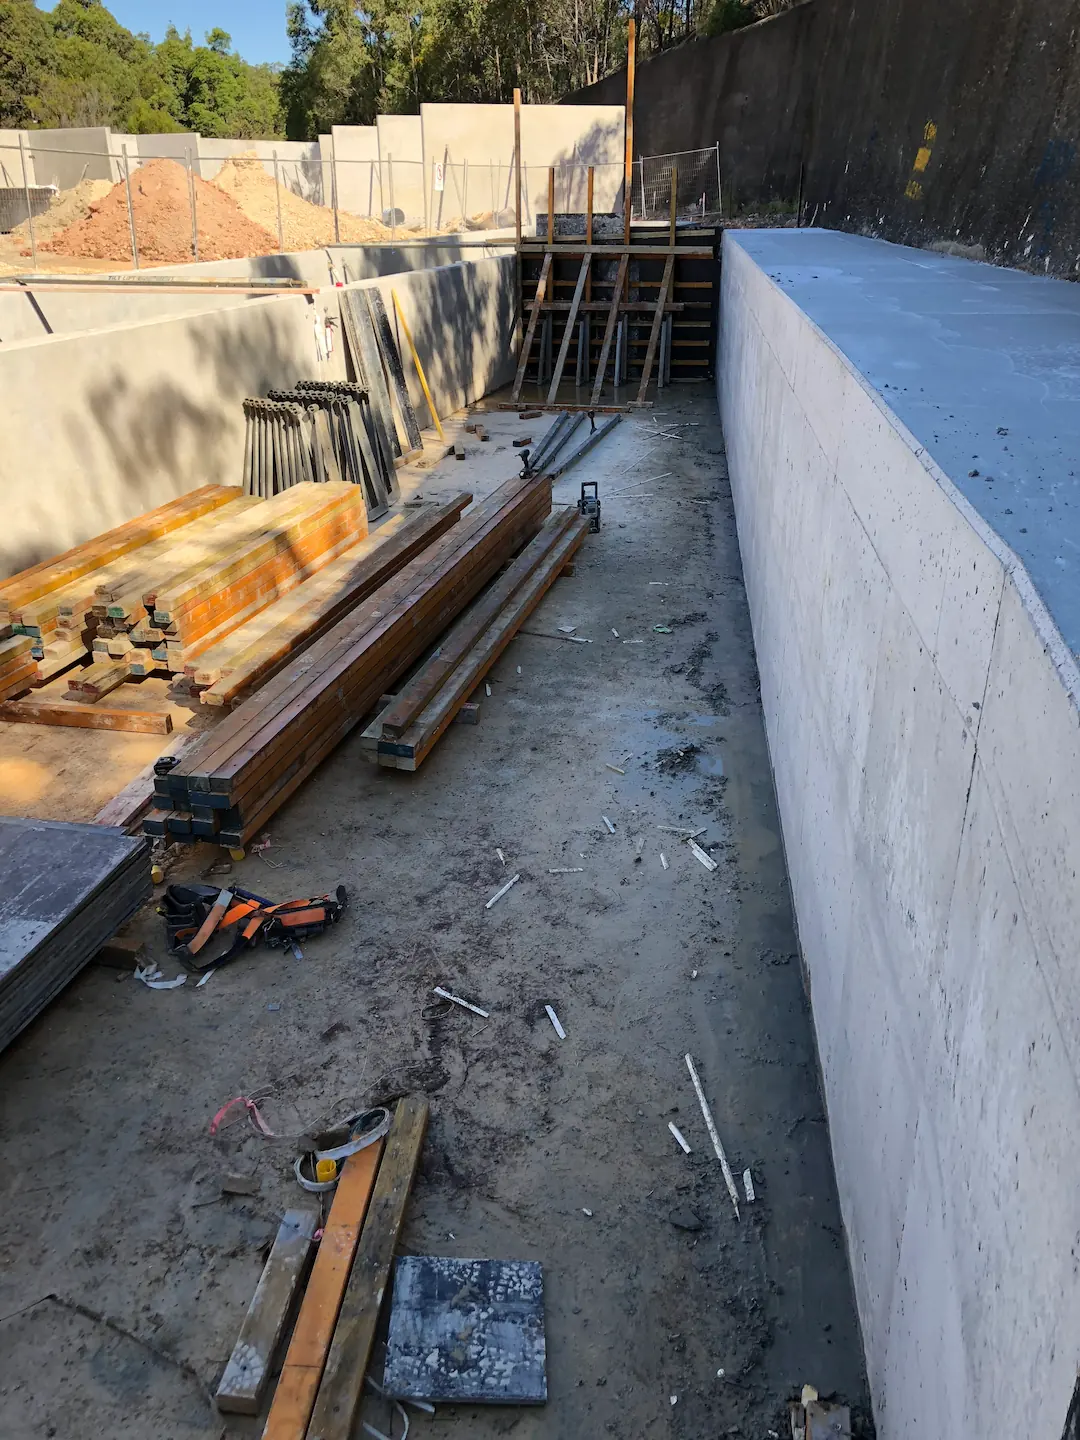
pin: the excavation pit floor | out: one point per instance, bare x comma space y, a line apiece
124, 1271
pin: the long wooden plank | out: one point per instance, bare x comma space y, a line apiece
97, 717
356, 575
19, 680
247, 1373
453, 648
294, 1398
413, 747
572, 250
526, 344
391, 355
654, 333
49, 575
568, 333
609, 328
346, 1365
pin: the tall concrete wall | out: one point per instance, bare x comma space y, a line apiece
401, 141
106, 423
922, 714
355, 153
11, 174
483, 135
748, 92
64, 157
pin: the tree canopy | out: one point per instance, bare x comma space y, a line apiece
77, 65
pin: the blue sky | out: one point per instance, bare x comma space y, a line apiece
256, 26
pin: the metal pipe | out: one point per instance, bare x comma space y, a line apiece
277, 192
465, 197
584, 448
191, 200
26, 191
131, 208
334, 190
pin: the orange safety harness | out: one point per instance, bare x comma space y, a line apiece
193, 914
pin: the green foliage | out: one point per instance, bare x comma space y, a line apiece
728, 15
78, 66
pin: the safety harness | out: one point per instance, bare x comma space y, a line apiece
193, 914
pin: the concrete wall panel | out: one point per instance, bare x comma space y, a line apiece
922, 715
355, 152
11, 173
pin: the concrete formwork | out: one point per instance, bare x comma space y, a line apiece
921, 707
103, 424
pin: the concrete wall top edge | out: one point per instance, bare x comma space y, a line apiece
977, 366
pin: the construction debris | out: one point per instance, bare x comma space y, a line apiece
456, 1000
194, 914
502, 891
555, 1022
714, 1135
678, 1136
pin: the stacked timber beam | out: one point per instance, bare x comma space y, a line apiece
405, 732
229, 785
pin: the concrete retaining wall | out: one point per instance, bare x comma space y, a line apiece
10, 162
922, 714
104, 424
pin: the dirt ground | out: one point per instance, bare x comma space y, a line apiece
124, 1273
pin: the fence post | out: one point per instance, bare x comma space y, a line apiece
465, 196
26, 191
191, 201
277, 192
641, 172
333, 189
491, 173
390, 180
719, 192
131, 208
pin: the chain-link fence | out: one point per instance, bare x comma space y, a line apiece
697, 184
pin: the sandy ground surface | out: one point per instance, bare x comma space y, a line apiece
124, 1273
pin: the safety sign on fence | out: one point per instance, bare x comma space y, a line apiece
440, 176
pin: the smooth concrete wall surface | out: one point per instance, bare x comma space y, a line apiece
355, 153
299, 162
401, 140
922, 712
11, 173
64, 157
571, 139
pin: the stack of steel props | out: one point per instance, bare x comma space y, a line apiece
545, 458
281, 448
358, 441
250, 764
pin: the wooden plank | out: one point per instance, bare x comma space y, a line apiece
391, 355
61, 570
294, 1398
526, 344
346, 1365
419, 740
568, 332
255, 651
19, 680
98, 679
128, 806
57, 712
654, 333
609, 329
572, 250
628, 124
247, 1373
456, 644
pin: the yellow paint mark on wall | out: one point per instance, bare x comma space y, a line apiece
930, 133
922, 158
913, 190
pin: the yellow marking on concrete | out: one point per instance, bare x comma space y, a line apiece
922, 158
930, 133
913, 190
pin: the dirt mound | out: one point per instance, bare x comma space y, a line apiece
68, 207
305, 226
162, 211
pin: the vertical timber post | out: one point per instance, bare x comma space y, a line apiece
130, 208
277, 194
628, 174
26, 192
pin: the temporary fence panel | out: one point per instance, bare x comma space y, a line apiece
698, 184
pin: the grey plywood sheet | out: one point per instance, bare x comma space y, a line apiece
467, 1330
64, 890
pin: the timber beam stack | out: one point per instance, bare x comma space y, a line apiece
229, 785
406, 731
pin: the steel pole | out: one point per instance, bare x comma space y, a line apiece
26, 192
191, 200
334, 190
277, 192
131, 208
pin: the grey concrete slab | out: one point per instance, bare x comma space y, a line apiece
981, 364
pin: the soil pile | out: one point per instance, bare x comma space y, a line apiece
162, 210
68, 207
305, 226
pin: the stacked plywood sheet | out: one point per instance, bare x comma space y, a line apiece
64, 890
233, 781
405, 732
